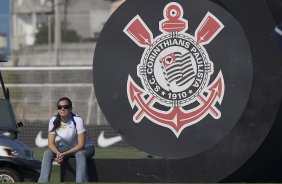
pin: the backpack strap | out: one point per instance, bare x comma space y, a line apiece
72, 119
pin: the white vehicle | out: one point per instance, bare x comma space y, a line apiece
17, 161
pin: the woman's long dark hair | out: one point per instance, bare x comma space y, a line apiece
57, 121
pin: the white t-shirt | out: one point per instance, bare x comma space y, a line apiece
68, 132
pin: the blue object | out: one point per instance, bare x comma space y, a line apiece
5, 29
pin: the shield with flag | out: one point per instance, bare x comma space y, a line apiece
178, 67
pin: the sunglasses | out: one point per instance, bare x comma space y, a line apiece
59, 107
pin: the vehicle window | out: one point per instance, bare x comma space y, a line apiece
1, 94
1, 89
7, 120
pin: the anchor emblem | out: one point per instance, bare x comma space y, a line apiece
175, 71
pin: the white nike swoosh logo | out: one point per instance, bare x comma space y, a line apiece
42, 142
106, 142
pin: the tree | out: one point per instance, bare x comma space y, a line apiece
68, 35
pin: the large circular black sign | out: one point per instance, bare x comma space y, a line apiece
173, 78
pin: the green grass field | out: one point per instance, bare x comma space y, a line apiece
121, 152
110, 153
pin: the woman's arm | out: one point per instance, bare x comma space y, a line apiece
51, 143
79, 146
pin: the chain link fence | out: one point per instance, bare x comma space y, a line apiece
52, 50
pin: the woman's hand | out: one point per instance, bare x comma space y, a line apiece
60, 157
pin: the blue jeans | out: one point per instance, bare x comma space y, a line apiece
81, 166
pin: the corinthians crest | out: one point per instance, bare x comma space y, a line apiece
175, 71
